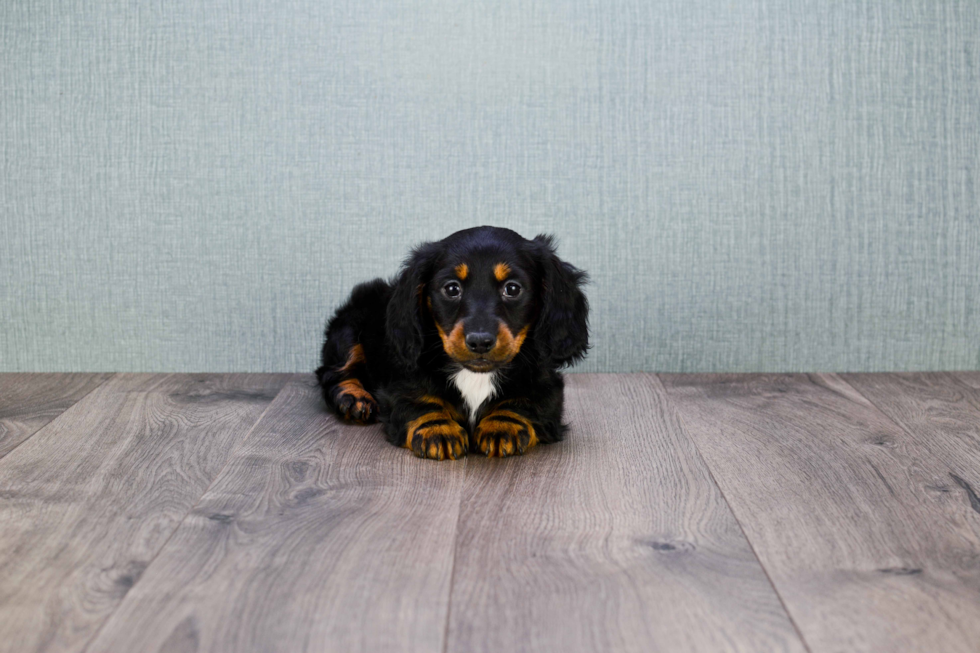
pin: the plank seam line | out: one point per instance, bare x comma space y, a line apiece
711, 475
163, 546
878, 409
915, 437
452, 571
73, 404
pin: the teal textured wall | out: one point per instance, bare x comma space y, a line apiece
752, 185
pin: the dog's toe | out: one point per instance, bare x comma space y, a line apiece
357, 407
439, 442
500, 435
364, 411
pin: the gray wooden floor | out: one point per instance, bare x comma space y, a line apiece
711, 513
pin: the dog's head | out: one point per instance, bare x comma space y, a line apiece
489, 294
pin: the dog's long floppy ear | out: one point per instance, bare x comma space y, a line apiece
403, 322
562, 329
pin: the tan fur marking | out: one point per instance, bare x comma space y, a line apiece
507, 344
511, 414
455, 343
507, 347
364, 408
496, 437
354, 388
438, 401
355, 356
462, 270
501, 271
454, 437
414, 425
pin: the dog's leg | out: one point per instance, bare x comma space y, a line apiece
505, 430
341, 379
430, 426
352, 401
514, 425
352, 337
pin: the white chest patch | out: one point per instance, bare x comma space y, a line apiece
476, 388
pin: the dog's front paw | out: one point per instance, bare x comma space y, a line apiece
437, 437
504, 433
354, 403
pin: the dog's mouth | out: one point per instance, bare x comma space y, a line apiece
480, 365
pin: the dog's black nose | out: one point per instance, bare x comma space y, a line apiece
480, 343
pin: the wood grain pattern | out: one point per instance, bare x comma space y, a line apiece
194, 513
850, 514
316, 537
941, 412
614, 540
90, 499
972, 381
29, 401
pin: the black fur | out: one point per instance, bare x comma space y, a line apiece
400, 373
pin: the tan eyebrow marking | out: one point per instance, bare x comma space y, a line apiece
462, 270
501, 271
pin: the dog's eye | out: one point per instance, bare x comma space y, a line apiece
512, 289
452, 290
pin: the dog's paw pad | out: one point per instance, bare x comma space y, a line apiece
499, 436
438, 439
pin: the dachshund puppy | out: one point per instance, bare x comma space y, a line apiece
460, 352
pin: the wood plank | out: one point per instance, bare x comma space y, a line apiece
616, 539
844, 508
317, 537
91, 498
29, 401
971, 380
941, 411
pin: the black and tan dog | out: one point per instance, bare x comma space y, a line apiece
461, 350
